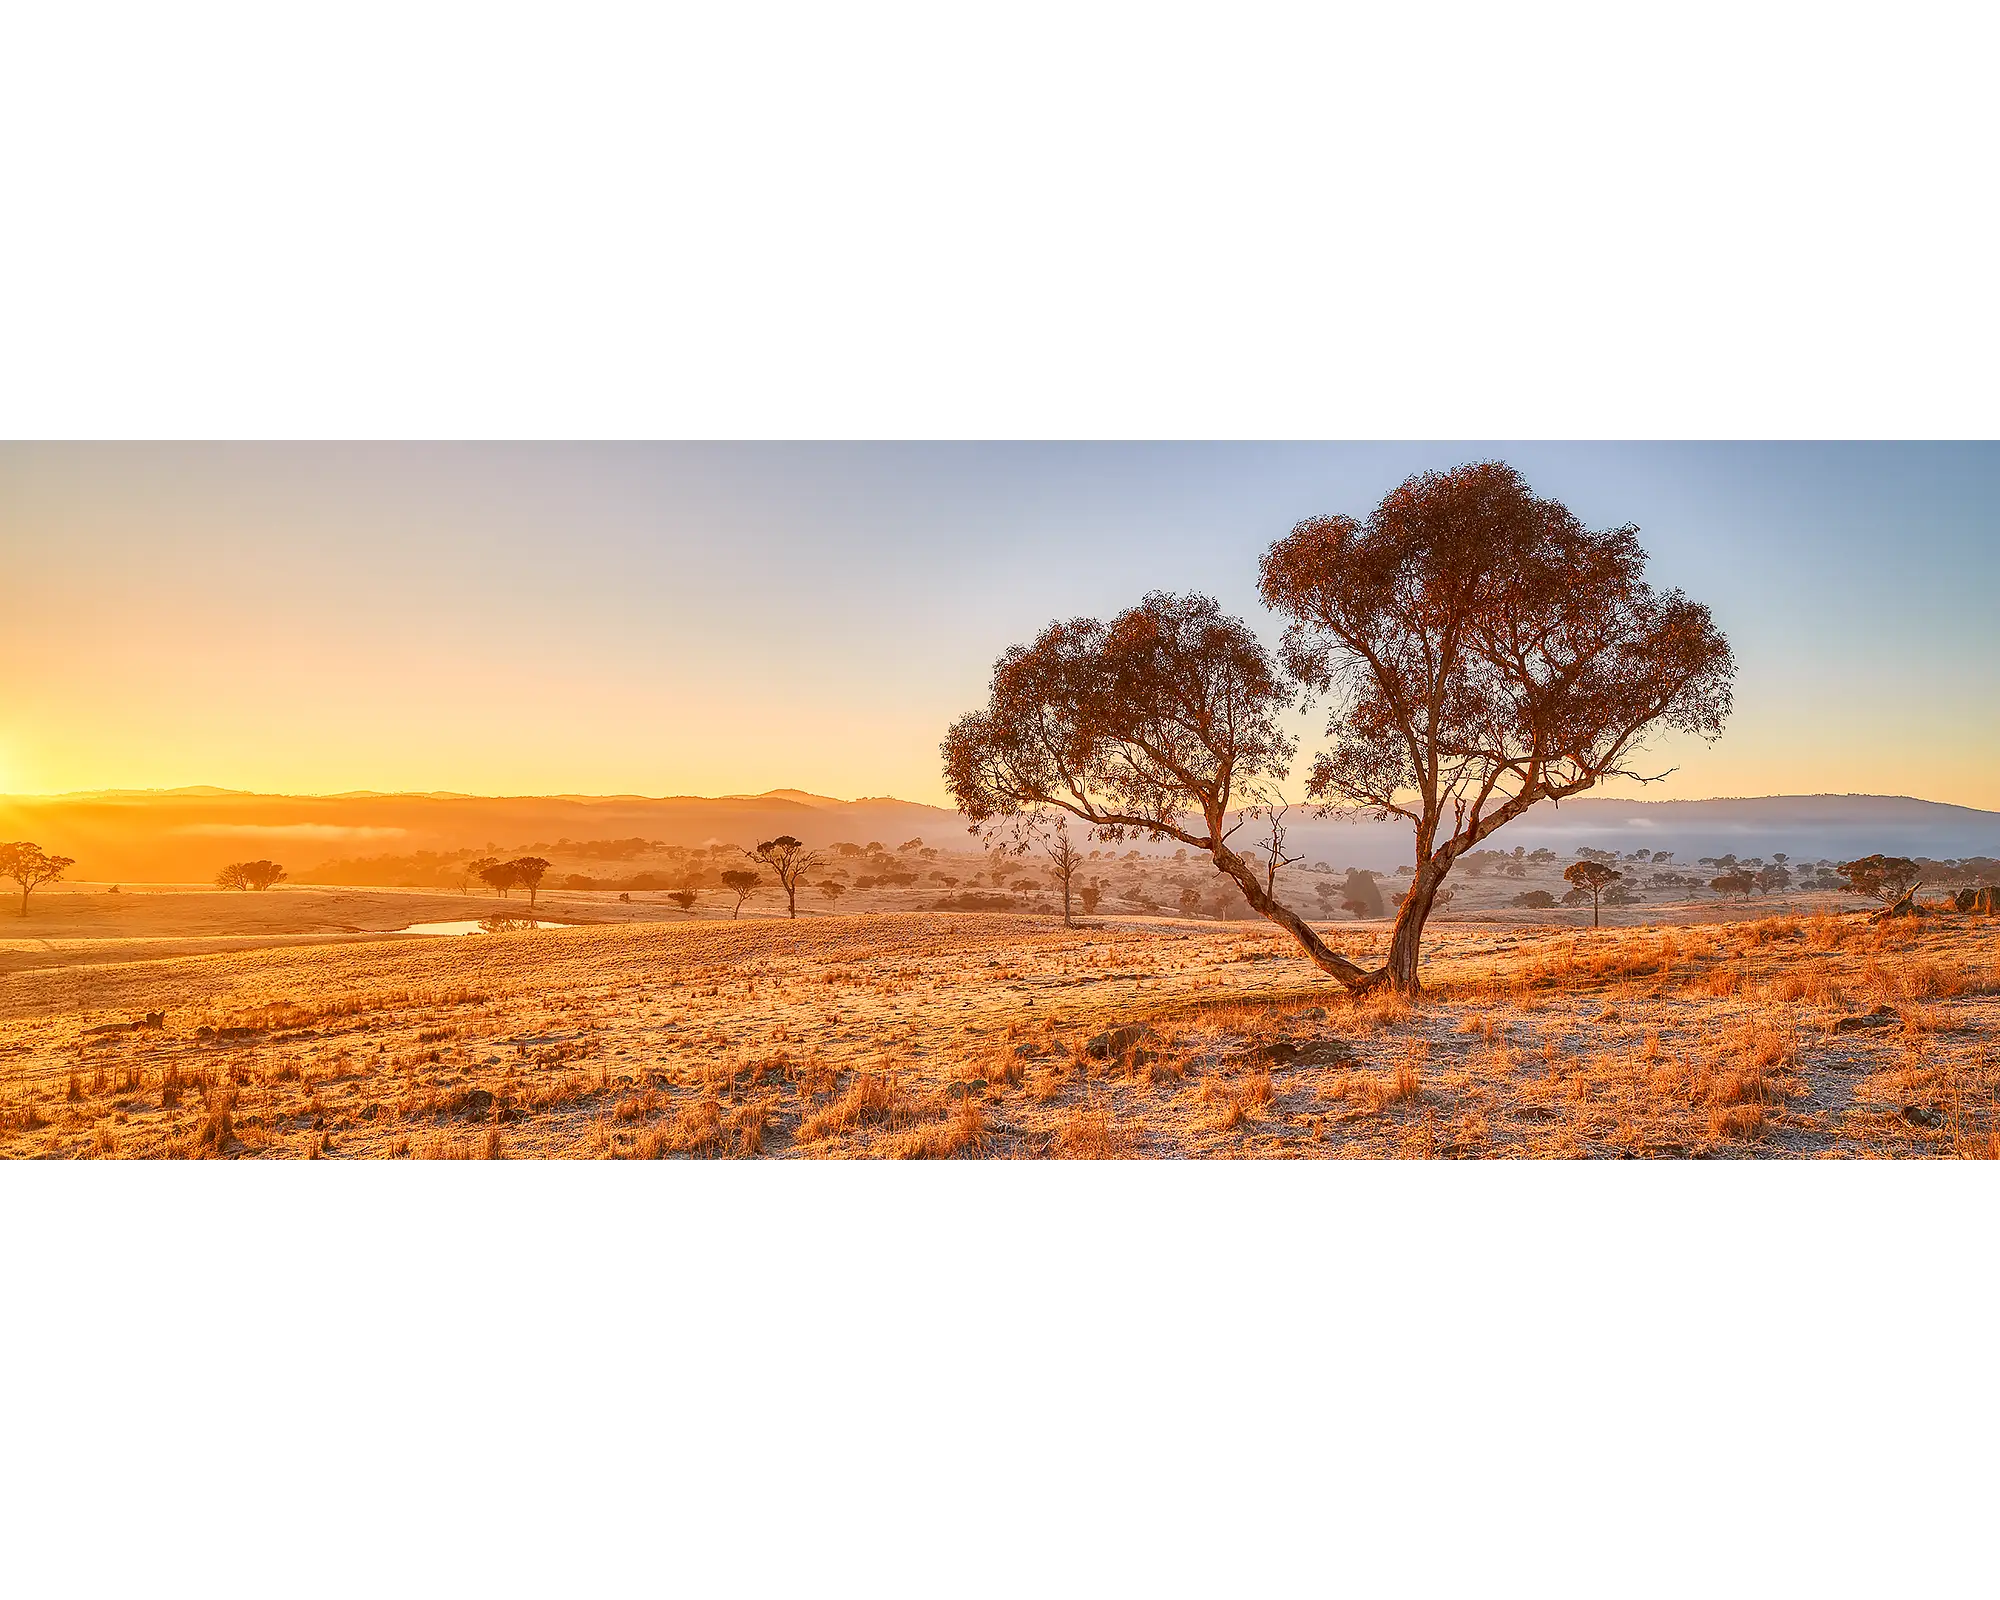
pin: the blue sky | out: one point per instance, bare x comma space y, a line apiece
728, 618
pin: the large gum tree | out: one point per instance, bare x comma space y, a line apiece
1479, 650
1482, 651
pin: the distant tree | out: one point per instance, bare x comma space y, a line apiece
1087, 897
790, 859
684, 898
1190, 902
30, 866
1361, 894
1885, 878
1735, 881
480, 866
249, 875
528, 871
499, 877
1773, 878
1535, 900
1063, 862
1593, 877
910, 844
1622, 894
832, 891
741, 883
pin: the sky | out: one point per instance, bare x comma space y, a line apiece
724, 619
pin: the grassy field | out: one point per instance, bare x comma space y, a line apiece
935, 1034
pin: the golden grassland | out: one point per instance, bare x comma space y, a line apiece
958, 1035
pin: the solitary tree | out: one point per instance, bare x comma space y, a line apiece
528, 872
499, 877
684, 898
249, 875
789, 859
741, 882
1482, 651
1593, 877
30, 866
1087, 897
1190, 902
831, 892
1063, 862
1886, 878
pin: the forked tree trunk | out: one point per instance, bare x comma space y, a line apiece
1331, 962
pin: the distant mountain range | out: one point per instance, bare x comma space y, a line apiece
184, 835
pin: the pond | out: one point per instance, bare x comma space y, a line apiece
481, 925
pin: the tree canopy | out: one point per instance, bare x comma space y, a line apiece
1880, 877
1478, 649
30, 866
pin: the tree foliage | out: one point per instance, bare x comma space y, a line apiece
250, 875
741, 882
528, 872
1593, 878
30, 866
1161, 724
1880, 877
790, 859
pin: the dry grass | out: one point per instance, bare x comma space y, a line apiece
934, 1037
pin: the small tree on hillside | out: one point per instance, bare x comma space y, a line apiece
789, 859
684, 898
831, 892
1739, 880
1774, 878
30, 866
1886, 878
1087, 897
528, 871
742, 883
1593, 877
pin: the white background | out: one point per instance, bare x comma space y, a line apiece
1039, 220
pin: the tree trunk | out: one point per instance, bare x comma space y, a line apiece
792, 901
1334, 965
1593, 913
1066, 922
1406, 943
